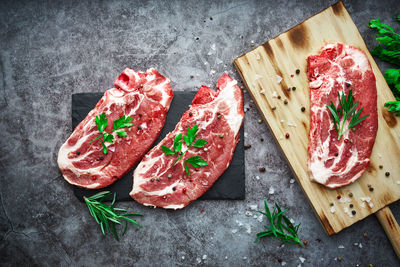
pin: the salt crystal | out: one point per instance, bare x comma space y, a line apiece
234, 231
360, 245
253, 207
271, 190
283, 263
379, 155
302, 259
244, 257
282, 121
204, 257
198, 260
366, 199
274, 94
262, 91
183, 257
248, 229
341, 246
371, 205
291, 124
213, 46
291, 181
333, 209
344, 200
226, 257
291, 220
260, 218
258, 77
355, 244
212, 72
248, 213
255, 216
258, 57
245, 135
278, 78
258, 177
218, 61
398, 182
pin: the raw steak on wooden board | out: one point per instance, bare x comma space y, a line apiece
144, 96
332, 162
219, 116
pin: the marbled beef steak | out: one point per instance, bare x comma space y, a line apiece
144, 96
339, 68
219, 116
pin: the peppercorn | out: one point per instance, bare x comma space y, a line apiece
139, 128
262, 169
101, 158
158, 179
351, 205
262, 139
279, 97
387, 174
184, 190
288, 89
259, 121
348, 84
297, 71
371, 189
285, 102
221, 136
140, 115
294, 88
331, 204
170, 176
173, 188
350, 194
339, 197
250, 105
365, 234
190, 114
303, 109
273, 108
287, 135
191, 76
380, 166
211, 18
305, 242
197, 38
291, 75
336, 154
339, 258
152, 180
353, 212
219, 116
78, 153
247, 147
94, 177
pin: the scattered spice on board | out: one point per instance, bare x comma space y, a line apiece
353, 212
279, 97
262, 169
259, 121
287, 135
293, 88
297, 71
305, 242
303, 109
380, 166
387, 174
350, 194
285, 102
273, 108
247, 147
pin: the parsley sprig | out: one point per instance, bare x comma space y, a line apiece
388, 49
188, 138
280, 226
102, 122
107, 216
346, 110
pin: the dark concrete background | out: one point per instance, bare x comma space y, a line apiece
51, 49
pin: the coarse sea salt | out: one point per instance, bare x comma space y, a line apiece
278, 79
302, 259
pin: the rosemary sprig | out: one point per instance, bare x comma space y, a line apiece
344, 111
106, 215
280, 226
189, 137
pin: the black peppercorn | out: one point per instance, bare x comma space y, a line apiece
371, 189
78, 153
348, 84
353, 212
387, 174
190, 114
294, 88
285, 102
303, 109
262, 169
351, 205
336, 154
247, 147
297, 71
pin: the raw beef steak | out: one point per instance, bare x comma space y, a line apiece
339, 68
144, 96
219, 116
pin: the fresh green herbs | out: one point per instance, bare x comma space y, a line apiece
102, 122
280, 226
388, 49
346, 110
107, 216
189, 139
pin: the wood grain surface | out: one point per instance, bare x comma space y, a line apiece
281, 56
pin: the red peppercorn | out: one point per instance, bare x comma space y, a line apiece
94, 177
346, 140
291, 75
250, 105
339, 197
287, 135
201, 211
184, 190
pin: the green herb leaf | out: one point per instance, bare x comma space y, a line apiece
178, 142
279, 226
167, 151
122, 122
108, 138
186, 168
393, 106
106, 215
191, 134
122, 134
104, 148
196, 161
348, 110
200, 143
101, 122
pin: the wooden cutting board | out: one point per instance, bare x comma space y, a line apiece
280, 57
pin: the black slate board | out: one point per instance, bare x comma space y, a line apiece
230, 185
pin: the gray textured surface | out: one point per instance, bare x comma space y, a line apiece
52, 49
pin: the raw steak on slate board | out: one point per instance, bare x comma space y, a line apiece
219, 116
332, 162
144, 96
231, 184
